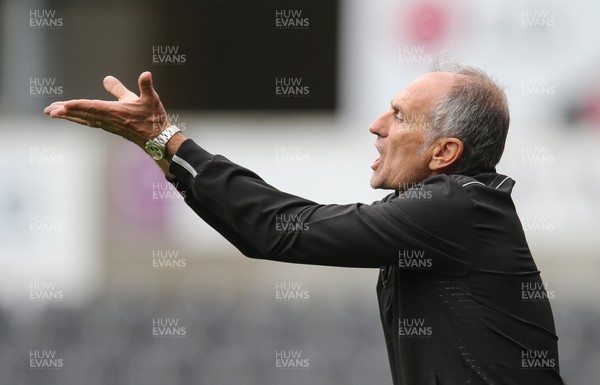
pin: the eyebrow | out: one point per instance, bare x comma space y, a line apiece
396, 107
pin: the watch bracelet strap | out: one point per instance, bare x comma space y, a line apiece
166, 135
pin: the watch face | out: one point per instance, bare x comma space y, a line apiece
154, 150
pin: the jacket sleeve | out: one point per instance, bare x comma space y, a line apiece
263, 222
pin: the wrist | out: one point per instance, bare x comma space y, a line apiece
157, 147
173, 145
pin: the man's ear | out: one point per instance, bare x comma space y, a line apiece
445, 154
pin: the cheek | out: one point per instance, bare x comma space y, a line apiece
403, 144
406, 150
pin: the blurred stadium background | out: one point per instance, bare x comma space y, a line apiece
97, 250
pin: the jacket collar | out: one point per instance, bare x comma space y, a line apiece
491, 179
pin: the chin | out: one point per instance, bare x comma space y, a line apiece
382, 181
377, 180
376, 184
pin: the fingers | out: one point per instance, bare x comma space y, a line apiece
146, 89
117, 89
58, 110
79, 108
90, 123
84, 115
53, 107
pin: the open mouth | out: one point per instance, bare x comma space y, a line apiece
377, 161
376, 164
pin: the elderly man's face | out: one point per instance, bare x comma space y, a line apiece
401, 133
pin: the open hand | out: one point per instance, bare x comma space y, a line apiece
136, 119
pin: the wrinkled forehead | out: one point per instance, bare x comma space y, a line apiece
424, 92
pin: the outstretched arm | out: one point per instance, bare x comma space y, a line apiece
135, 118
262, 221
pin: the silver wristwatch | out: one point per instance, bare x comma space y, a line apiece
157, 147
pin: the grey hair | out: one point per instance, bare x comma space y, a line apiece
475, 110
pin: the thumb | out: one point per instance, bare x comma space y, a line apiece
146, 88
117, 89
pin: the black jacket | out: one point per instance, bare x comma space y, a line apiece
460, 297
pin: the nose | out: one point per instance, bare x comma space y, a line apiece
379, 126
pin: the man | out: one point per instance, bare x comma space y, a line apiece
460, 297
